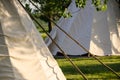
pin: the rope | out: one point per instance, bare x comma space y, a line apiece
75, 66
80, 44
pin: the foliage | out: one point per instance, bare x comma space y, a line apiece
57, 8
100, 5
27, 6
54, 9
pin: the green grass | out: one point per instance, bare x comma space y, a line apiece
91, 68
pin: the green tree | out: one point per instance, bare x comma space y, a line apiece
54, 9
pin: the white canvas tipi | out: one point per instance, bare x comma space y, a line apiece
23, 53
105, 38
96, 31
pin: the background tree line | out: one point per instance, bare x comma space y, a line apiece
54, 9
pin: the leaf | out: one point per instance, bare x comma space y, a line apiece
66, 13
104, 7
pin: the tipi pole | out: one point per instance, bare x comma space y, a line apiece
80, 45
75, 66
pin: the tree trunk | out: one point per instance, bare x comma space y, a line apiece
50, 24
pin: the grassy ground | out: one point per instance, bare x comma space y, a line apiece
91, 68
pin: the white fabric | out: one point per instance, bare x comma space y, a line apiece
48, 40
23, 53
75, 26
96, 31
105, 39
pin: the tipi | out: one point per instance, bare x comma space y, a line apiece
99, 32
23, 53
